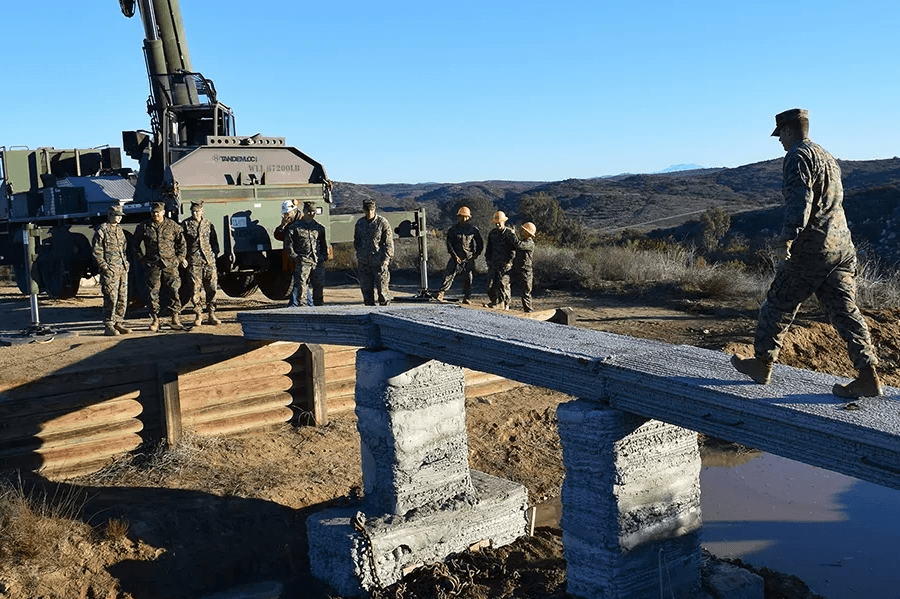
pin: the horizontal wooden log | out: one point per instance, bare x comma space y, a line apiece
490, 388
339, 355
279, 350
54, 405
226, 426
345, 387
72, 382
103, 430
113, 410
62, 458
260, 403
340, 373
68, 471
204, 378
196, 399
341, 404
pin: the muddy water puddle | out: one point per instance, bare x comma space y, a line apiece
838, 534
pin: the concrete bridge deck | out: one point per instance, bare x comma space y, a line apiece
796, 416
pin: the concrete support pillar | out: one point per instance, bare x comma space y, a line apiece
630, 504
421, 503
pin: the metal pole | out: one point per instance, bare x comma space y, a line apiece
30, 256
423, 252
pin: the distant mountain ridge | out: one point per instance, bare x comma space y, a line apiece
666, 200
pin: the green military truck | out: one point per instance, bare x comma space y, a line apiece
192, 152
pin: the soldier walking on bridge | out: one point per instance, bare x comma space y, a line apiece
160, 245
308, 249
817, 257
464, 244
500, 251
110, 249
202, 248
374, 244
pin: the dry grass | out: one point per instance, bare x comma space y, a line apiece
31, 520
207, 464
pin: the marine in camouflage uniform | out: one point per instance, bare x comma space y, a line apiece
374, 244
464, 244
818, 258
523, 264
499, 253
110, 250
308, 248
202, 248
160, 245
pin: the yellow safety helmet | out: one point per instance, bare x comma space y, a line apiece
530, 229
499, 217
464, 211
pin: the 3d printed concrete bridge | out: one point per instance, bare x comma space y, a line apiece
631, 496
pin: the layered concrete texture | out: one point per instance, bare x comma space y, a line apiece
630, 504
411, 416
356, 562
422, 503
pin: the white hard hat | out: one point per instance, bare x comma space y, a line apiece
287, 206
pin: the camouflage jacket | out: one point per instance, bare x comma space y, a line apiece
110, 247
160, 244
814, 221
373, 240
286, 221
305, 242
501, 247
464, 241
201, 240
524, 254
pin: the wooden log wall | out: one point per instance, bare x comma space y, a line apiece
74, 423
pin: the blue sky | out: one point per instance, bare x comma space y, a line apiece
399, 91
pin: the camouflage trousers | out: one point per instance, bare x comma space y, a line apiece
158, 276
466, 268
114, 286
204, 278
498, 283
835, 288
306, 275
525, 280
374, 280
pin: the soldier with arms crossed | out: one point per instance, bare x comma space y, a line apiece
160, 245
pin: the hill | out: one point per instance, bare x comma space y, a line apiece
669, 202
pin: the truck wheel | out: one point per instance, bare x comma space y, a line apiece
236, 284
61, 280
276, 285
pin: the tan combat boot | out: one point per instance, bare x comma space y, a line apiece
439, 296
866, 384
198, 319
176, 322
759, 371
212, 318
110, 330
154, 323
122, 328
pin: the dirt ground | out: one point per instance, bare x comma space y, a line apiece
217, 513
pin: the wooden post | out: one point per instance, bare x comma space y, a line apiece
170, 403
315, 383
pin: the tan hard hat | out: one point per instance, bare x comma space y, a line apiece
530, 229
464, 211
499, 217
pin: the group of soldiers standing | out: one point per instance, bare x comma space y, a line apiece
162, 247
506, 254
